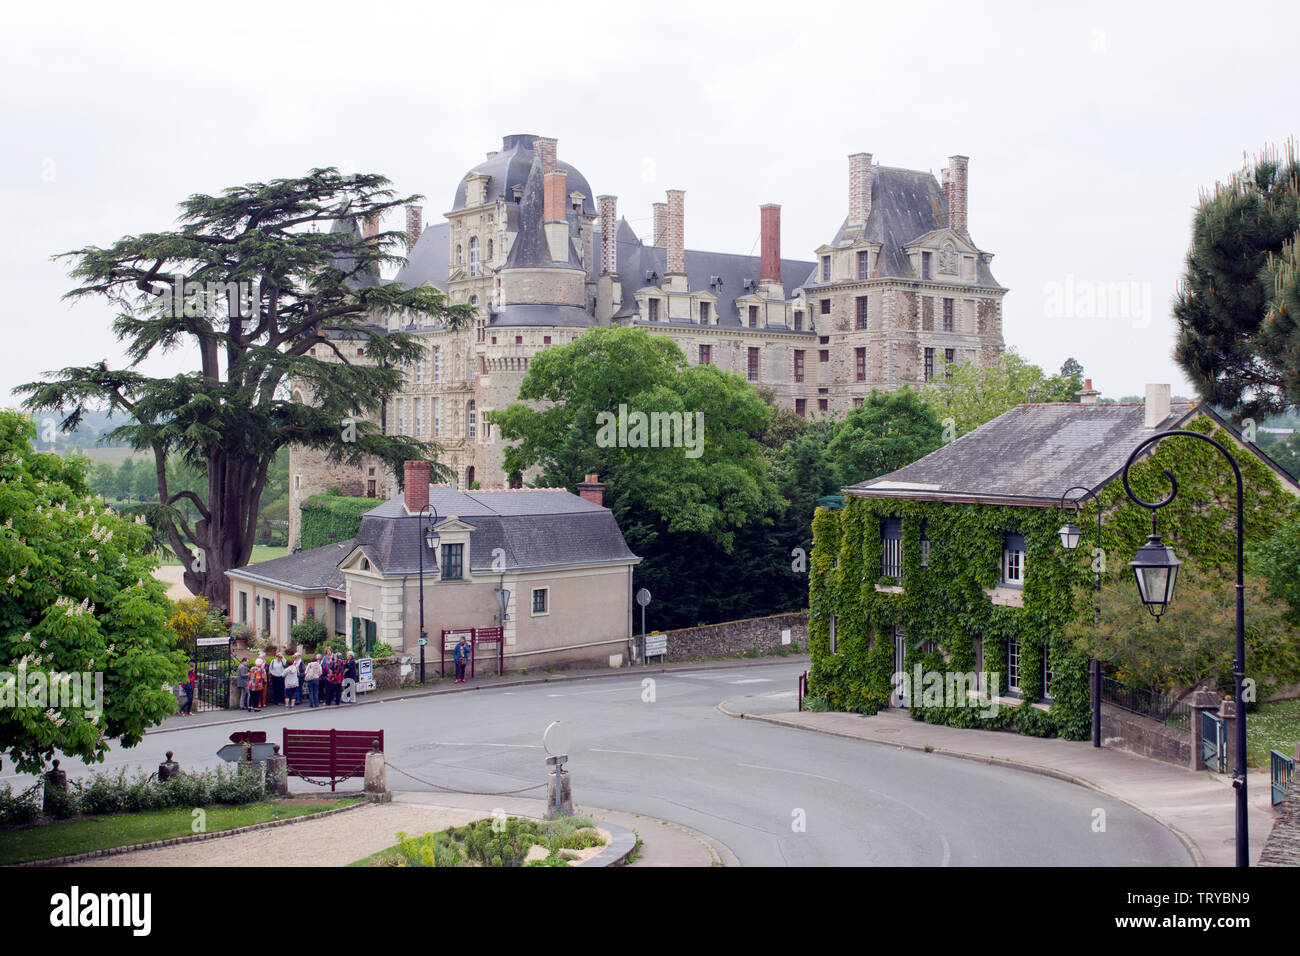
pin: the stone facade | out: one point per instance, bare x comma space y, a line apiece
759, 635
900, 291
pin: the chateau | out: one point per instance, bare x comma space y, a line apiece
897, 293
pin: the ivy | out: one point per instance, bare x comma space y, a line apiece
945, 607
330, 518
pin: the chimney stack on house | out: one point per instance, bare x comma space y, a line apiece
554, 218
675, 267
661, 223
1157, 406
370, 225
414, 224
954, 187
770, 244
415, 486
592, 490
1088, 395
544, 147
608, 206
859, 192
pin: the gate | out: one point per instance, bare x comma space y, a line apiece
1214, 746
213, 664
1281, 769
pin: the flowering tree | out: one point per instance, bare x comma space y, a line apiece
84, 644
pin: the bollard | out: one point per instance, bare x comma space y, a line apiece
277, 773
377, 775
56, 788
559, 793
168, 768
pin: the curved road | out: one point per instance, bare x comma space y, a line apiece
776, 796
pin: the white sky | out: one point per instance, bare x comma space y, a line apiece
1091, 130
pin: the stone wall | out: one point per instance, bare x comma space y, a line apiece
1141, 735
401, 671
1283, 845
733, 638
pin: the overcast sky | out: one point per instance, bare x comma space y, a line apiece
1091, 130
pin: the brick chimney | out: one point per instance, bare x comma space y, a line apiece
592, 490
1088, 395
608, 206
414, 224
955, 187
544, 146
770, 241
675, 269
661, 223
415, 486
370, 225
859, 191
1157, 406
554, 219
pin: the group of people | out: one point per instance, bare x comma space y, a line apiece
282, 682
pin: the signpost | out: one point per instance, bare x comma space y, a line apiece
366, 674
247, 745
643, 598
654, 645
450, 638
559, 798
488, 635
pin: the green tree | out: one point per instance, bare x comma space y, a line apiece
291, 290
1238, 304
1278, 561
887, 431
125, 479
79, 597
971, 394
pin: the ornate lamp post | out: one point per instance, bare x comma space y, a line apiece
427, 538
1156, 569
1071, 535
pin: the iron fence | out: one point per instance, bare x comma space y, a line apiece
1167, 710
1281, 770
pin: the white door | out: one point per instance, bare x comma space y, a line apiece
901, 695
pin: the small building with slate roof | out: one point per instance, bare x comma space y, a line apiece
559, 558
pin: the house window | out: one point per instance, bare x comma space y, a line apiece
947, 315
925, 265
801, 407
753, 365
862, 264
823, 404
539, 600
826, 268
453, 556
860, 358
833, 638
753, 316
798, 321
243, 607
861, 312
1013, 666
891, 549
293, 615
826, 306
469, 419
706, 354
473, 256
925, 546
798, 365
949, 357
704, 313
653, 306
823, 355
1013, 560
929, 364
1047, 674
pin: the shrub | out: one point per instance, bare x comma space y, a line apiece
247, 784
17, 809
381, 651
104, 793
308, 633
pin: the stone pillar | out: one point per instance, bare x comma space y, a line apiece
859, 191
1202, 701
559, 795
957, 173
1228, 711
277, 773
377, 777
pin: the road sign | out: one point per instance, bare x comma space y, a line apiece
233, 752
643, 597
556, 739
424, 641
248, 737
211, 641
656, 644
366, 674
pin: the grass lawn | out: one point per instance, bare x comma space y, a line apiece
1272, 727
261, 552
100, 833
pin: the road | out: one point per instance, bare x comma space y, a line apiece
776, 796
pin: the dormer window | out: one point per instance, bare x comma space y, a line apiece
1013, 560
753, 316
891, 549
652, 313
453, 562
826, 268
925, 264
704, 313
863, 265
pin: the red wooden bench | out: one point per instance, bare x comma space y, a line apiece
332, 754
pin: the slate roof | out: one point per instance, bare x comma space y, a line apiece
534, 528
427, 261
530, 250
1029, 455
510, 167
314, 570
346, 264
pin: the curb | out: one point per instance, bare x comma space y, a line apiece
193, 838
1193, 849
685, 667
621, 843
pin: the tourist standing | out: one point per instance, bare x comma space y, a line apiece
351, 672
257, 685
241, 684
191, 677
312, 675
277, 679
292, 688
461, 656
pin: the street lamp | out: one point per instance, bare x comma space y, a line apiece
1156, 570
428, 537
1071, 535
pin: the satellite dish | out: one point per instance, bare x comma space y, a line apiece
643, 597
556, 739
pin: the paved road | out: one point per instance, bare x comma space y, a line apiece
775, 796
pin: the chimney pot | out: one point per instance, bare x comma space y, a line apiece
770, 239
592, 490
370, 225
553, 197
544, 146
414, 224
661, 223
415, 486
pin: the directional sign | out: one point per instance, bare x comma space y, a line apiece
656, 644
211, 641
233, 752
366, 674
556, 740
248, 737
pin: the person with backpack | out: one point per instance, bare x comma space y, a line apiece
257, 685
292, 689
461, 657
312, 675
351, 672
191, 677
337, 670
241, 684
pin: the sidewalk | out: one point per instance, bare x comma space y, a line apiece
1196, 806
437, 685
343, 839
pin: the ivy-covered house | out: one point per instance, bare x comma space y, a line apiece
943, 587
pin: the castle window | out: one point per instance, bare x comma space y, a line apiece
949, 357
437, 428
419, 418
801, 407
929, 364
397, 422
473, 256
519, 340
860, 358
753, 365
491, 247
861, 309
437, 363
823, 404
947, 315
826, 306
826, 268
706, 354
798, 365
798, 321
857, 402
704, 313
753, 316
862, 263
925, 265
824, 355
469, 419
546, 340
459, 256
653, 310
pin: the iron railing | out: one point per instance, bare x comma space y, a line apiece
1281, 770
1167, 710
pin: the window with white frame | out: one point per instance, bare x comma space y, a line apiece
419, 419
473, 256
834, 642
1047, 673
437, 428
1013, 560
541, 600
470, 422
437, 363
397, 421
1013, 666
891, 548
